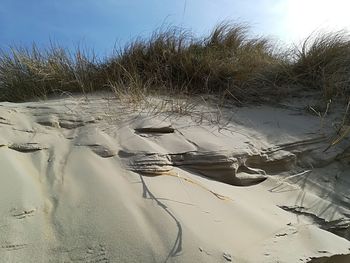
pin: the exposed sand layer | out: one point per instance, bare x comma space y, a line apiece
93, 180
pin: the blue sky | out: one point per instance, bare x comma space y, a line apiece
102, 23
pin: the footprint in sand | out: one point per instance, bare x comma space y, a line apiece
23, 214
93, 254
27, 147
12, 247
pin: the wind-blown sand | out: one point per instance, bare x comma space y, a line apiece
91, 180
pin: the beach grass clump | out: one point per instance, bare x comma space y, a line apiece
27, 73
174, 60
322, 63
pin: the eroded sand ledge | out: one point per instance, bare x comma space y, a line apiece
88, 180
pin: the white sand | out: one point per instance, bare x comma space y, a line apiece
91, 180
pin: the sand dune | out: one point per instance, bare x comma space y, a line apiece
91, 180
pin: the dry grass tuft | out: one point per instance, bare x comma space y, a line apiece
27, 73
323, 63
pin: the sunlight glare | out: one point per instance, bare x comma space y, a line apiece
302, 17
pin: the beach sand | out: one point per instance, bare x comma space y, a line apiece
93, 179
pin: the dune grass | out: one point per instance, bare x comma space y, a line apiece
229, 63
323, 63
35, 73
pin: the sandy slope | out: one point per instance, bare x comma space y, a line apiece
92, 180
